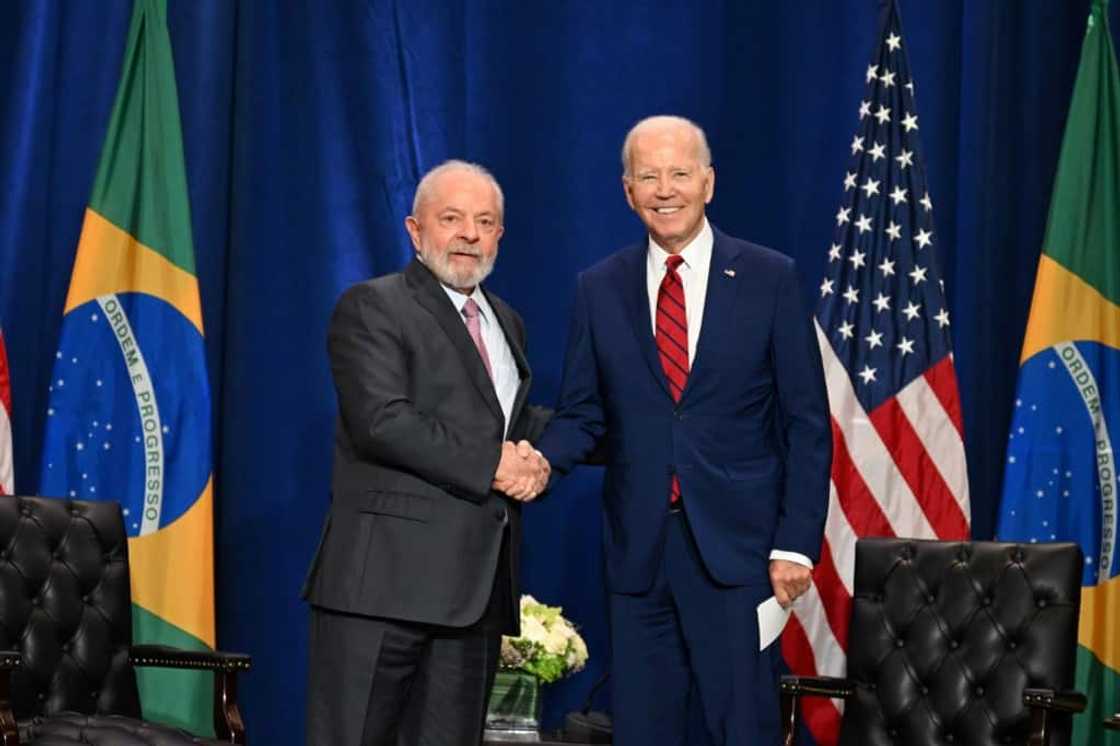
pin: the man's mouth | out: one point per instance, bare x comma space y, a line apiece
667, 210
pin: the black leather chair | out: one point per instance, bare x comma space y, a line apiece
66, 652
960, 643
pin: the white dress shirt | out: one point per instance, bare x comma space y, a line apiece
507, 378
693, 272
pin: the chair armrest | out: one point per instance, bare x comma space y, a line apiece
229, 726
164, 656
793, 688
1046, 706
817, 686
1068, 701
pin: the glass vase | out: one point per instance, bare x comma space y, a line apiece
514, 710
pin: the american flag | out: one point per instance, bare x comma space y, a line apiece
898, 464
7, 476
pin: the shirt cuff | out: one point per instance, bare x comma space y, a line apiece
797, 557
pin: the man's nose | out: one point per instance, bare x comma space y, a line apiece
470, 230
664, 186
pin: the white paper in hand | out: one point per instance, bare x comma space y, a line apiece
772, 620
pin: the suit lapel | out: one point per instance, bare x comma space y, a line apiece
516, 346
719, 305
636, 297
431, 296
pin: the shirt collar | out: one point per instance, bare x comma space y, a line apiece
459, 299
697, 254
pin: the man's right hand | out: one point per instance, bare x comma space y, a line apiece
522, 471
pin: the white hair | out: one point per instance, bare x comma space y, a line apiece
424, 188
661, 122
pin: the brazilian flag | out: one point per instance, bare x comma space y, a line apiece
1060, 481
129, 405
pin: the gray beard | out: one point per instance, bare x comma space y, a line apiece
456, 278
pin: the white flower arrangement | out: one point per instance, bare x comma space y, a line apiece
549, 647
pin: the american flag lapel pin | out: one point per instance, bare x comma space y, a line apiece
729, 272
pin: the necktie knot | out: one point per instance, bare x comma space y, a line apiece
674, 262
470, 309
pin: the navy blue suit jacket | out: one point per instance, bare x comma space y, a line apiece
750, 438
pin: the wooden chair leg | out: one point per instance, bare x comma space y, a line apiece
9, 731
1040, 727
791, 705
228, 725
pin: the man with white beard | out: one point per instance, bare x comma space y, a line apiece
416, 575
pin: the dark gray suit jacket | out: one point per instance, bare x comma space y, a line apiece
414, 530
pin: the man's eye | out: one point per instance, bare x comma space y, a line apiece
448, 219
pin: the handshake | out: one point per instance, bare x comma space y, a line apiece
522, 471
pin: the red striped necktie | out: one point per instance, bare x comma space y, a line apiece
672, 339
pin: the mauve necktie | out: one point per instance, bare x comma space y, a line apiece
672, 340
474, 328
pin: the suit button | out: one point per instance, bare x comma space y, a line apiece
499, 515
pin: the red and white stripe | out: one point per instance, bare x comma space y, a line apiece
7, 470
898, 470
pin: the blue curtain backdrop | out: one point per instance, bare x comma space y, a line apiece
307, 124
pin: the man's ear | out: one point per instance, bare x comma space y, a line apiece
412, 225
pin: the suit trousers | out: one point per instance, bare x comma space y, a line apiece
386, 682
688, 633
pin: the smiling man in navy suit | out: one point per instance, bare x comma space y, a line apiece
693, 366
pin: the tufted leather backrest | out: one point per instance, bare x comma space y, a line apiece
65, 604
945, 636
